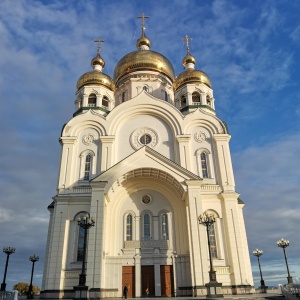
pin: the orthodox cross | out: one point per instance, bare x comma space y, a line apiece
143, 17
187, 39
99, 45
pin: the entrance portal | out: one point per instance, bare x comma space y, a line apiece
148, 280
128, 277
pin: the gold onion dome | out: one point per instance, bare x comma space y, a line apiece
97, 60
143, 60
143, 41
188, 59
192, 76
96, 76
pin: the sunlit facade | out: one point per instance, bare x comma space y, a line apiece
144, 155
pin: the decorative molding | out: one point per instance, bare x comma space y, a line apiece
88, 139
162, 244
200, 136
146, 199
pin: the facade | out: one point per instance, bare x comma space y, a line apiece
145, 155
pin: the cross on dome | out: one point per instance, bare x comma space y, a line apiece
187, 39
143, 17
99, 41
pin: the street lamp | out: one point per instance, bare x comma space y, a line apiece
283, 244
214, 288
86, 223
258, 253
8, 251
33, 259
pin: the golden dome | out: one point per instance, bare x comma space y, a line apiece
143, 41
192, 76
188, 59
97, 60
143, 60
95, 77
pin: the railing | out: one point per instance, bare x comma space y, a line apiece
291, 292
5, 295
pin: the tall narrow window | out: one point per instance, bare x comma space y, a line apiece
208, 101
203, 157
212, 239
165, 96
92, 100
183, 101
105, 101
80, 244
123, 96
87, 168
147, 231
129, 228
164, 227
196, 97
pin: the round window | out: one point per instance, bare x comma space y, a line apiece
145, 139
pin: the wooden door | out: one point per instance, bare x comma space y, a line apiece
128, 277
166, 281
148, 280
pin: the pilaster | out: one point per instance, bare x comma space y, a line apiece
224, 162
107, 152
184, 150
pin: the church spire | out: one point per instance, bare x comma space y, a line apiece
97, 62
143, 43
189, 60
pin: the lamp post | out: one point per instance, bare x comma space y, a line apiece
86, 223
283, 244
8, 251
214, 288
33, 259
258, 253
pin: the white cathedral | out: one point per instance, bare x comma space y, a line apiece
145, 155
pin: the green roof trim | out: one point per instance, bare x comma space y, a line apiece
196, 106
92, 108
240, 201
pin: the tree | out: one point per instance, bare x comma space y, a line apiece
23, 287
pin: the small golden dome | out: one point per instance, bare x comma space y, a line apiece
97, 60
191, 76
141, 61
143, 41
95, 77
188, 59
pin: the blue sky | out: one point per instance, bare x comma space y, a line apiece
250, 50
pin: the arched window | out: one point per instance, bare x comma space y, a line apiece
123, 96
203, 157
105, 101
212, 240
87, 167
80, 244
92, 100
164, 227
183, 101
208, 101
147, 227
165, 96
196, 97
129, 228
146, 89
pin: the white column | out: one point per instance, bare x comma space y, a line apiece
107, 158
184, 151
157, 277
224, 161
156, 233
66, 162
138, 277
95, 259
197, 235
